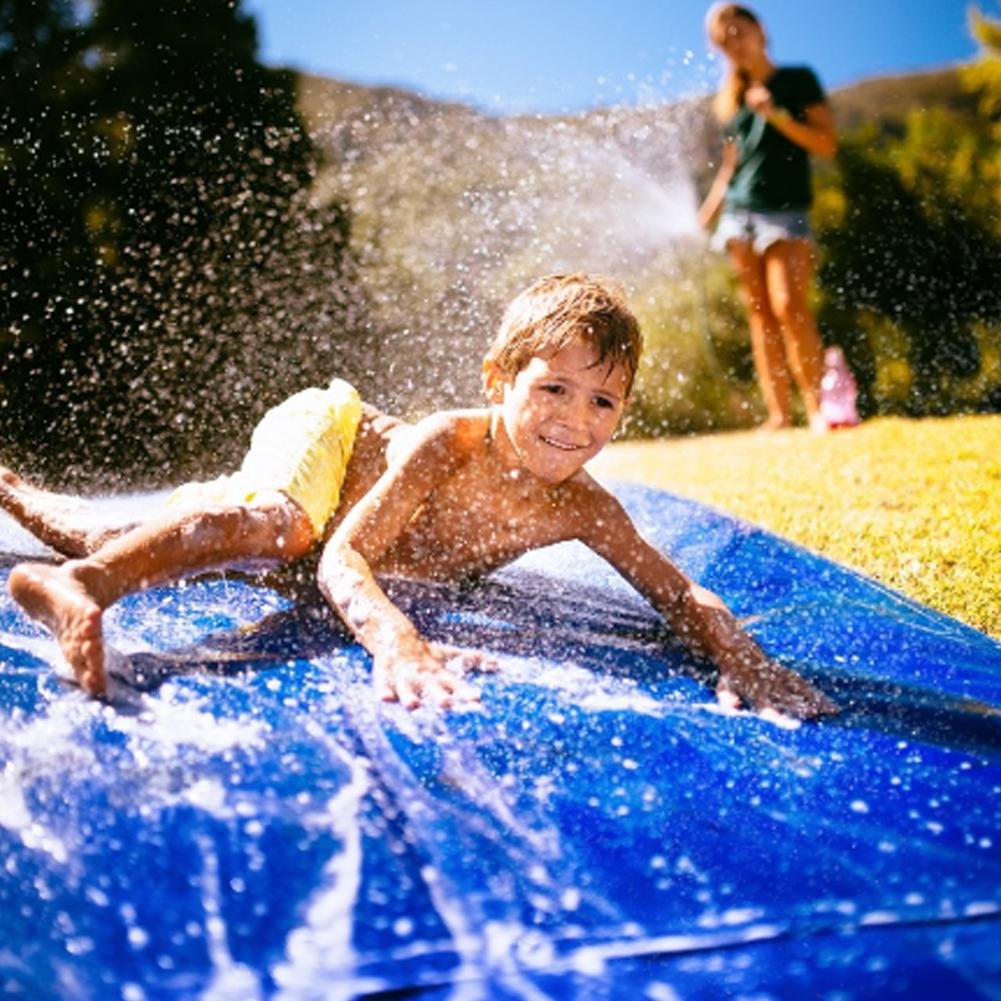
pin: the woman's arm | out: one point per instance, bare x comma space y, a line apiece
816, 135
713, 202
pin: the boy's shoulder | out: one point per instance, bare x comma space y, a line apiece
457, 428
451, 434
600, 521
592, 504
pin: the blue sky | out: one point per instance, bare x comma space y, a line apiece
567, 55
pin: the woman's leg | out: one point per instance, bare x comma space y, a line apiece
788, 270
59, 520
766, 336
69, 599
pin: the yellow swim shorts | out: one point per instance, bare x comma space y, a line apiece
301, 448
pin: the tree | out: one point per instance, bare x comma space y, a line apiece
161, 265
910, 227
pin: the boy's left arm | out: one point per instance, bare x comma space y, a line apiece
707, 627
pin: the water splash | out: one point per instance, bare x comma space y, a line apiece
454, 211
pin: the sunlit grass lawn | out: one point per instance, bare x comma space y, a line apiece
915, 504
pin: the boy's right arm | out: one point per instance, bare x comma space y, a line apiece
406, 667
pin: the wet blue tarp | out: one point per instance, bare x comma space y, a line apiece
245, 821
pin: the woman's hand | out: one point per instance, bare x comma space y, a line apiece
815, 132
759, 99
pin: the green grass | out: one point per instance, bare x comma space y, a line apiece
916, 504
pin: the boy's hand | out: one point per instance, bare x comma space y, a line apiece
764, 685
428, 673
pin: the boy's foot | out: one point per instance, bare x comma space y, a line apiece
9, 477
61, 521
59, 601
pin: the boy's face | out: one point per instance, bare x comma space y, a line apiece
560, 411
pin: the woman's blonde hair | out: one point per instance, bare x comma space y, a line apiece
559, 308
730, 96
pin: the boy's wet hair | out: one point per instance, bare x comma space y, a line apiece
561, 308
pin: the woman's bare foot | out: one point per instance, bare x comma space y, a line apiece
775, 423
54, 597
819, 424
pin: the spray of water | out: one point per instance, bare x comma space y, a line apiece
454, 211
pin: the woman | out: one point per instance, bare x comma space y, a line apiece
774, 117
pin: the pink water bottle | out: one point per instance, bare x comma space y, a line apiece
838, 391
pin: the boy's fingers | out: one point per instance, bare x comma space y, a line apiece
466, 660
805, 701
821, 705
485, 663
414, 684
477, 662
438, 695
420, 685
450, 689
443, 679
383, 684
407, 686
409, 693
781, 693
726, 695
809, 706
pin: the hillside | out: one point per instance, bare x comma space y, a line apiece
378, 115
889, 99
452, 209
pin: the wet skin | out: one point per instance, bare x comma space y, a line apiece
456, 495
61, 603
465, 492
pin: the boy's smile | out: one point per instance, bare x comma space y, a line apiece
559, 411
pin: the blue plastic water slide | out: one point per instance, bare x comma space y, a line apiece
244, 820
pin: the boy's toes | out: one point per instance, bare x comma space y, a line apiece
9, 477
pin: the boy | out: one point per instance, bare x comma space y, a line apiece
456, 495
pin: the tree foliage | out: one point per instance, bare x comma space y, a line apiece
910, 228
162, 276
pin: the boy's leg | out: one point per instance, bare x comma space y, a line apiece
58, 520
69, 599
